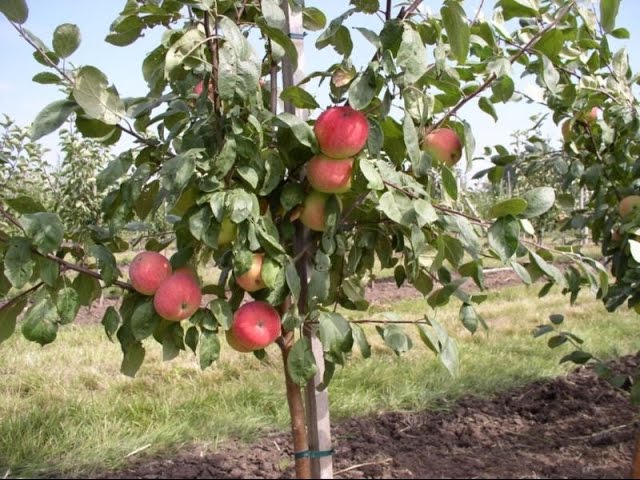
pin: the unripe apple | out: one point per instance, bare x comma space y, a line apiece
312, 213
628, 205
341, 132
443, 144
251, 280
256, 325
228, 231
591, 116
329, 175
178, 297
147, 271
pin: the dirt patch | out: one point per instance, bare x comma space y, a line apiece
571, 427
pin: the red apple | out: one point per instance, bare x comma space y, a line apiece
443, 144
233, 342
147, 271
341, 132
628, 205
312, 213
251, 281
199, 88
329, 175
178, 297
256, 325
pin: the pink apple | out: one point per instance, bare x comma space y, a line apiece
233, 342
628, 205
251, 280
329, 175
341, 132
178, 297
444, 146
147, 271
256, 325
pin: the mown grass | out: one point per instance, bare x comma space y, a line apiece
65, 408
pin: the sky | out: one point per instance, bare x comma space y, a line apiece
21, 99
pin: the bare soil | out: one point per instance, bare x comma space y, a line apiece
570, 427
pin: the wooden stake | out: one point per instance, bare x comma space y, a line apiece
635, 467
317, 403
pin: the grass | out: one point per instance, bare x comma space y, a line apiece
66, 408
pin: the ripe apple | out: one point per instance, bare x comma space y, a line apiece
341, 132
178, 297
312, 213
233, 342
147, 271
443, 144
227, 233
628, 205
199, 88
329, 175
251, 281
256, 325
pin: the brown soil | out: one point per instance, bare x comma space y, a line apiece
571, 427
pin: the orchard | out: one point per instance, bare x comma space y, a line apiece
296, 207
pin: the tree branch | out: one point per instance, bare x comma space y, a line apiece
11, 219
492, 78
387, 13
18, 297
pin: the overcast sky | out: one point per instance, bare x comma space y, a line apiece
22, 99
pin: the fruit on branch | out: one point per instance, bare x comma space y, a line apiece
251, 280
590, 117
178, 297
341, 132
628, 205
228, 231
255, 325
233, 342
330, 175
584, 118
444, 146
312, 214
147, 271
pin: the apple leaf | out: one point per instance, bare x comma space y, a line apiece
15, 10
395, 338
457, 28
67, 305
298, 97
18, 264
44, 229
539, 201
513, 206
52, 117
8, 315
132, 360
504, 236
40, 322
608, 13
209, 348
111, 322
301, 363
66, 39
99, 101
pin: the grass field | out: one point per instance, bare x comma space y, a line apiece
65, 407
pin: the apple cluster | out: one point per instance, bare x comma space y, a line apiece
176, 295
342, 133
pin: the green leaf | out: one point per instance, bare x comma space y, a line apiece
133, 358
186, 46
470, 318
578, 357
361, 340
40, 323
47, 78
144, 320
98, 100
209, 348
25, 204
313, 19
522, 272
634, 246
67, 305
449, 182
551, 43
191, 338
106, 262
300, 129
8, 316
15, 10
273, 14
502, 89
372, 175
335, 334
52, 117
18, 264
550, 75
362, 90
548, 269
457, 28
88, 289
299, 97
222, 312
513, 206
412, 55
608, 13
518, 8
44, 229
487, 107
301, 363
125, 31
110, 322
66, 39
395, 338
539, 201
503, 237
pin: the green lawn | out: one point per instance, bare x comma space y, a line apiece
66, 408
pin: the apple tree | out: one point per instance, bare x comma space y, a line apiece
237, 175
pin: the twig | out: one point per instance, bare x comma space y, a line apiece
602, 432
478, 12
387, 13
137, 450
410, 9
11, 219
366, 464
18, 297
493, 77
